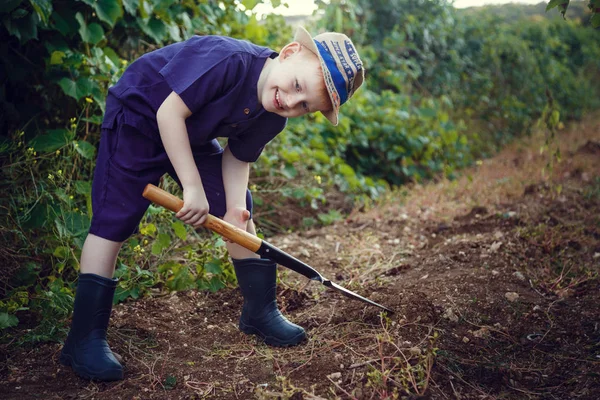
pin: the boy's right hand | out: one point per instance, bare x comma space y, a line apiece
195, 206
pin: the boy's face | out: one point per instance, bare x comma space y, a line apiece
294, 84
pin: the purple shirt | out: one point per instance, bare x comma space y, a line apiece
216, 77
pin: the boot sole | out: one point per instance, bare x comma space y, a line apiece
105, 376
271, 340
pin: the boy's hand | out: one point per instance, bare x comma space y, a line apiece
195, 206
238, 217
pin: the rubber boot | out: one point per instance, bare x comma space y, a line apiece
86, 349
260, 315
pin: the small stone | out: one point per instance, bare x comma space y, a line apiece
483, 332
495, 273
118, 357
495, 246
305, 253
415, 351
519, 276
511, 296
449, 314
498, 235
335, 375
585, 177
465, 339
211, 326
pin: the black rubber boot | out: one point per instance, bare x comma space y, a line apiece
86, 349
260, 315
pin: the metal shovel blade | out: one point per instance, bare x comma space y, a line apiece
352, 295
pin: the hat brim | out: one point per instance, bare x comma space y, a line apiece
305, 39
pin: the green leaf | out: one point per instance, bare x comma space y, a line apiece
561, 4
64, 23
214, 267
215, 284
26, 275
179, 229
155, 28
18, 13
57, 57
162, 242
24, 28
180, 278
427, 112
7, 320
289, 171
69, 87
72, 224
86, 149
170, 382
52, 141
108, 11
7, 6
131, 6
112, 55
83, 187
77, 89
43, 8
552, 4
92, 33
148, 230
596, 20
61, 252
250, 4
174, 31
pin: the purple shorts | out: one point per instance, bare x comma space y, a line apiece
127, 161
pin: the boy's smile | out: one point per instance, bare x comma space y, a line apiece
292, 84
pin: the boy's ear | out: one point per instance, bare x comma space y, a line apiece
289, 50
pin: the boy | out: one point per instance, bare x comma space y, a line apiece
163, 117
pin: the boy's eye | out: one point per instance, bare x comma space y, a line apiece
305, 105
297, 85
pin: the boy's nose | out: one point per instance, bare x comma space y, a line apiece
294, 99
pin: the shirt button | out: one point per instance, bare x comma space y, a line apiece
246, 111
234, 125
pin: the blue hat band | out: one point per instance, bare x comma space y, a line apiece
336, 75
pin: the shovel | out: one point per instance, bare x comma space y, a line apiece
252, 243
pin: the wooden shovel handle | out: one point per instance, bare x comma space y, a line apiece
225, 229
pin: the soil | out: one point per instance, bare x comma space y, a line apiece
493, 278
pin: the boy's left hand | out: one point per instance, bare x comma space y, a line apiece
238, 217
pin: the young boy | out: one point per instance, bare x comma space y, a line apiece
163, 116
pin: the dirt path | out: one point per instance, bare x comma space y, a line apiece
494, 278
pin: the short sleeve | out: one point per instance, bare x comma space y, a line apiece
199, 76
249, 146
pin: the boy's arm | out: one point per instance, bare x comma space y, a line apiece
171, 117
235, 182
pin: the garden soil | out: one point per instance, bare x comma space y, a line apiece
493, 277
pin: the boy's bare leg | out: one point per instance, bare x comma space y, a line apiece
99, 256
238, 252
